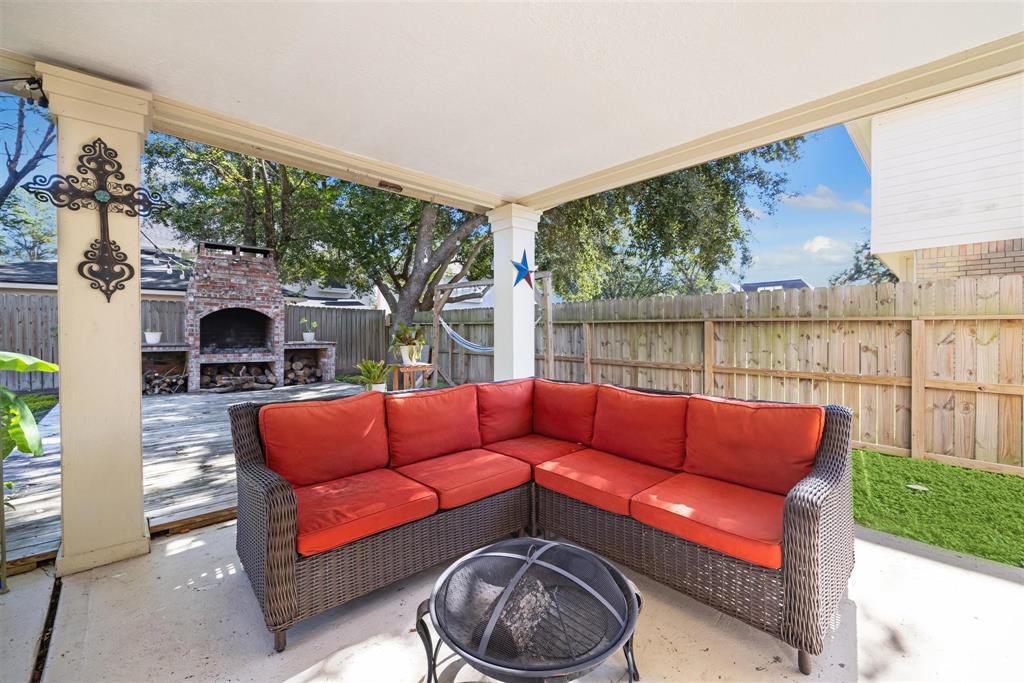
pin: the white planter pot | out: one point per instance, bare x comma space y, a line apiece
379, 387
153, 337
308, 336
410, 354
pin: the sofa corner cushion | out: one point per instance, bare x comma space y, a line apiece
506, 409
534, 448
597, 478
308, 442
468, 476
426, 424
335, 513
734, 520
564, 410
650, 428
766, 446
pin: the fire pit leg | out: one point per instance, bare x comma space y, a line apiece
627, 649
424, 631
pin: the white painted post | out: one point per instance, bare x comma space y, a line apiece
102, 516
514, 229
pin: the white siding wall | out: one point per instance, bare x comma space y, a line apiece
949, 170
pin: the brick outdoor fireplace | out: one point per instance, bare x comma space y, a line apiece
234, 311
235, 321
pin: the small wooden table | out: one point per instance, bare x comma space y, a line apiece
410, 374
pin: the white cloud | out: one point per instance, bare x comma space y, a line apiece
825, 250
824, 198
817, 251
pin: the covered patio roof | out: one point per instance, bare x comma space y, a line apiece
477, 106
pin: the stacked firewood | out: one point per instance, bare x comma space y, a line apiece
227, 377
302, 369
173, 381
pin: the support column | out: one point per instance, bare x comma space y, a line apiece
514, 229
102, 517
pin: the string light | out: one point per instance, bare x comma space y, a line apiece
171, 261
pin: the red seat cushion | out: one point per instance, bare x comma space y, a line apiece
460, 478
337, 512
598, 478
766, 446
506, 409
534, 448
564, 411
308, 442
732, 519
426, 424
650, 428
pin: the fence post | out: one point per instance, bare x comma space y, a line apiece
549, 333
709, 358
918, 371
588, 350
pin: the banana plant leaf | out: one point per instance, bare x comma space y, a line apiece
20, 423
19, 362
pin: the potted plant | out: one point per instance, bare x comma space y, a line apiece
373, 375
407, 343
309, 334
153, 336
17, 430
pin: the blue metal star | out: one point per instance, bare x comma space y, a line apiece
523, 271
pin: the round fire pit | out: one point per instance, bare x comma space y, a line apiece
532, 610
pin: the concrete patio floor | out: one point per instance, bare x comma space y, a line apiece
186, 612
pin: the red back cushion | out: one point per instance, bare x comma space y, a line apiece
766, 446
564, 411
426, 424
316, 441
506, 409
650, 428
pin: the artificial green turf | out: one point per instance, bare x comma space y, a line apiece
969, 511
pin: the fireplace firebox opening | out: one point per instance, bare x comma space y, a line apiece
235, 330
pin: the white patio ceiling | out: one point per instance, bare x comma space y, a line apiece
484, 104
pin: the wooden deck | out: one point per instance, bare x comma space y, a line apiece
188, 468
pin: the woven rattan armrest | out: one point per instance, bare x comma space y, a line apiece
817, 539
265, 538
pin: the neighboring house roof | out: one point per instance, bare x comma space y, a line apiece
153, 276
796, 283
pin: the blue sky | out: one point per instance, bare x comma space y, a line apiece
813, 232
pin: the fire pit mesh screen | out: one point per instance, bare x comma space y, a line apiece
530, 605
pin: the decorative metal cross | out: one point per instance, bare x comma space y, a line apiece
105, 265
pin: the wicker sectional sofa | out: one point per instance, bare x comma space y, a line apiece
742, 505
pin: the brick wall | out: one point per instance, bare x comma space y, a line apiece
982, 258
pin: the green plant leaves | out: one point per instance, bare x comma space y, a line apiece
19, 362
20, 424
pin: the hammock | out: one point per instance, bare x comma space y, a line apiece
462, 341
465, 343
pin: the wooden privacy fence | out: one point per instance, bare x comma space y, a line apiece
359, 332
930, 369
28, 324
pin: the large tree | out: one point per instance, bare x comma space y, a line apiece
28, 134
866, 269
666, 235
27, 229
322, 229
